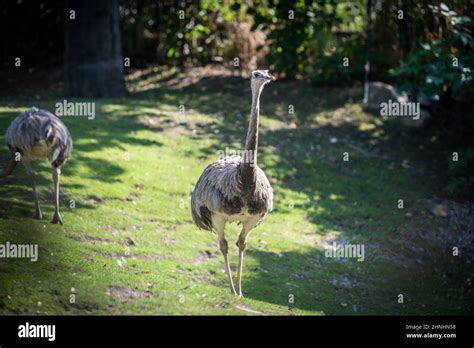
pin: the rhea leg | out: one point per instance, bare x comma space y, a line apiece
219, 226
241, 244
57, 217
224, 248
247, 226
32, 175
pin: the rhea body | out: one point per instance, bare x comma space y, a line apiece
235, 189
37, 135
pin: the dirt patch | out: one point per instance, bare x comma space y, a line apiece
455, 223
203, 256
91, 239
94, 199
327, 243
153, 123
168, 241
451, 234
118, 256
125, 294
343, 282
194, 276
112, 230
81, 308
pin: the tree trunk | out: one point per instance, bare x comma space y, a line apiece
93, 50
366, 53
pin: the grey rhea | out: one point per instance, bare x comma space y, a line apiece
235, 189
38, 134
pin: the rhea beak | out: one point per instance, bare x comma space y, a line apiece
270, 78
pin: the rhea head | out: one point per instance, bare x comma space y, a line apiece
259, 79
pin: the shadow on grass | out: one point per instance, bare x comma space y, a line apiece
303, 280
312, 282
16, 198
221, 94
104, 132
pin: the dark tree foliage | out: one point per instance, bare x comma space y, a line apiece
33, 31
320, 40
177, 33
442, 67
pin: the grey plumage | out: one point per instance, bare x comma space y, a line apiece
38, 134
220, 190
235, 189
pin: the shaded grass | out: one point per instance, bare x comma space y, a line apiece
129, 245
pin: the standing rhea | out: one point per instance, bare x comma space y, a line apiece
38, 134
235, 189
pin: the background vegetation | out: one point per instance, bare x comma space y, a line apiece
413, 44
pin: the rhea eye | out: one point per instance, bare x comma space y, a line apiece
256, 75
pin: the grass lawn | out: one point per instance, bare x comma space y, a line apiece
129, 246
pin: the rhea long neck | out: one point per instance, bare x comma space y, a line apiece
251, 144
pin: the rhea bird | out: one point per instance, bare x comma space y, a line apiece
235, 189
38, 134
